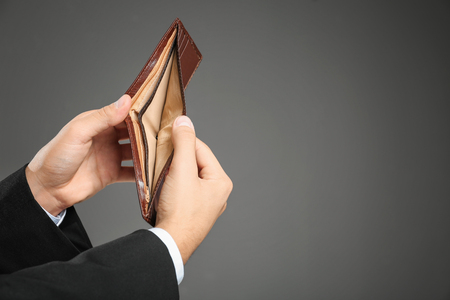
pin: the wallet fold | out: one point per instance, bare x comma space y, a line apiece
157, 96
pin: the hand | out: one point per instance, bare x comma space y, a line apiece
195, 191
82, 159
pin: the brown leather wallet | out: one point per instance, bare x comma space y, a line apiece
157, 96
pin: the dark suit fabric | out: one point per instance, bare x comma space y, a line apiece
39, 260
28, 237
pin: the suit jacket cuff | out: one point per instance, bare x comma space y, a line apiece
28, 236
174, 252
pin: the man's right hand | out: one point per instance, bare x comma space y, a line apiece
195, 191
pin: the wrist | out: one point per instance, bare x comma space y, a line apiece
185, 244
42, 196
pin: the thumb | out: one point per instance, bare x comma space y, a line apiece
183, 139
101, 119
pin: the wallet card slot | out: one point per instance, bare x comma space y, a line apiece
143, 94
142, 98
185, 60
173, 108
150, 119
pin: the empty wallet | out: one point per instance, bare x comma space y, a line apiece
157, 96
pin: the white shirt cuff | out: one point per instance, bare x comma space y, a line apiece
173, 251
165, 237
58, 219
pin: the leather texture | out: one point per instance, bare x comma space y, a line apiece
176, 45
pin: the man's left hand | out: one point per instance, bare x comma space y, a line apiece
82, 159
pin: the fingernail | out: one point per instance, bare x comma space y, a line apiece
184, 121
119, 103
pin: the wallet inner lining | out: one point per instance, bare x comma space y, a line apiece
140, 99
155, 106
172, 109
147, 88
150, 119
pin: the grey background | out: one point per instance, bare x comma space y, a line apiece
331, 118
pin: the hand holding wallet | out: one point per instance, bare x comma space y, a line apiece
157, 100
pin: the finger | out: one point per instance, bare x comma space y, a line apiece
126, 174
83, 114
101, 119
208, 165
183, 138
126, 152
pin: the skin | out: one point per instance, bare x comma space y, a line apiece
195, 191
85, 157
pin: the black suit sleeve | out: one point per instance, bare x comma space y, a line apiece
40, 260
137, 266
28, 237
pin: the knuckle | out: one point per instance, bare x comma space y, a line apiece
72, 127
228, 184
185, 130
185, 134
224, 207
200, 145
83, 114
102, 113
207, 147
